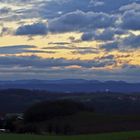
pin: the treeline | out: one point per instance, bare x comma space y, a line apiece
45, 117
67, 117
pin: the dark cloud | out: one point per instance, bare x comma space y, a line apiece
52, 9
132, 41
21, 49
59, 43
80, 21
88, 36
6, 31
123, 44
4, 10
110, 46
33, 29
107, 57
37, 62
131, 20
15, 49
111, 6
106, 35
55, 8
67, 48
86, 51
43, 70
128, 73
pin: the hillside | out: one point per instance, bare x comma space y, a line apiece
17, 100
72, 85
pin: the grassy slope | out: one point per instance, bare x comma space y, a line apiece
113, 136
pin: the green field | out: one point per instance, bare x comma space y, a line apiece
113, 136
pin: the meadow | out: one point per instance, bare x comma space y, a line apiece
110, 136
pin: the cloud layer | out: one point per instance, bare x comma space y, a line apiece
90, 38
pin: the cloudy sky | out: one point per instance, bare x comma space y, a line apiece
56, 39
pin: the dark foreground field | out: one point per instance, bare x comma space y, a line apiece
112, 136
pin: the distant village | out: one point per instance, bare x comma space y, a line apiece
5, 120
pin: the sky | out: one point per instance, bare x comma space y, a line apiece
70, 39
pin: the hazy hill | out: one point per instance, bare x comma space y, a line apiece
73, 85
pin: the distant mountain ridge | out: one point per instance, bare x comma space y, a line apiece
72, 85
